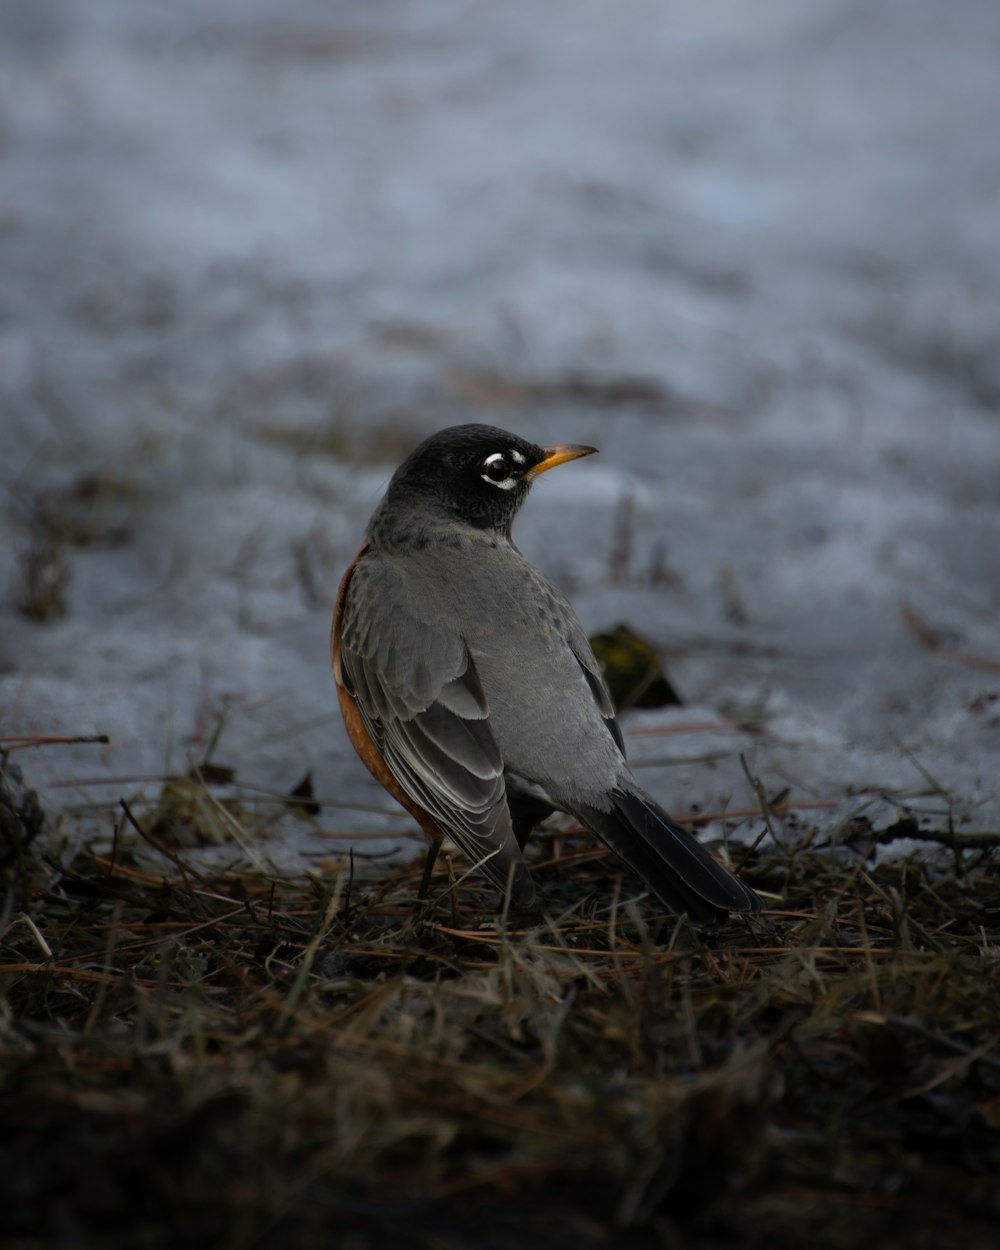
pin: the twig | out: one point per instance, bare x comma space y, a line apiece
963, 841
37, 935
19, 742
758, 788
185, 870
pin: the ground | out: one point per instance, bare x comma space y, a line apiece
234, 1059
251, 255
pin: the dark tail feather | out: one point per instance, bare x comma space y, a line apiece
668, 858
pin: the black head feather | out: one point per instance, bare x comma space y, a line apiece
477, 474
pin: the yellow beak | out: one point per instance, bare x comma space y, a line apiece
559, 454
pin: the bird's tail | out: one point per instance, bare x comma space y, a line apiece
668, 858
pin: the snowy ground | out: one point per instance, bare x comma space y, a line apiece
251, 253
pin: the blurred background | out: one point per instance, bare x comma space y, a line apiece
252, 253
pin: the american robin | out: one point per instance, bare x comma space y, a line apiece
469, 688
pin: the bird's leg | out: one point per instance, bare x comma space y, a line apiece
429, 862
455, 919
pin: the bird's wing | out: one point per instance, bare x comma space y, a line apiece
423, 705
579, 644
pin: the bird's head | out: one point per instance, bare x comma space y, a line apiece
476, 474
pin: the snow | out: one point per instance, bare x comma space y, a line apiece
251, 253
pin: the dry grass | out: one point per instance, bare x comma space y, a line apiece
228, 1059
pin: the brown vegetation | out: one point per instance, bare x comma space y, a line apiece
222, 1057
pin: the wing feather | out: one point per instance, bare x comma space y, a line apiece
423, 704
580, 646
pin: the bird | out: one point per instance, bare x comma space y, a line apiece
469, 689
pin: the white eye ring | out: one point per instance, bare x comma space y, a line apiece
498, 461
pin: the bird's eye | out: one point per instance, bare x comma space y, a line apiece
497, 468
